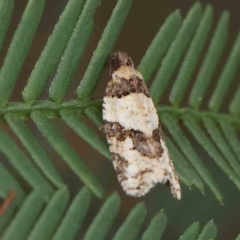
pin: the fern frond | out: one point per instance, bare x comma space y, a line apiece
194, 31
192, 56
191, 232
191, 115
25, 167
63, 148
190, 153
6, 9
19, 47
174, 54
29, 211
104, 219
164, 38
105, 45
53, 51
7, 184
76, 212
208, 232
209, 147
45, 205
46, 225
85, 132
234, 106
74, 216
73, 52
230, 134
184, 169
35, 150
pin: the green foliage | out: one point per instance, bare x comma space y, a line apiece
175, 52
51, 216
209, 231
191, 232
156, 227
6, 8
45, 213
105, 45
104, 219
49, 59
16, 55
29, 211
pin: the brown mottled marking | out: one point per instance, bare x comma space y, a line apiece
124, 87
157, 133
118, 59
120, 165
150, 147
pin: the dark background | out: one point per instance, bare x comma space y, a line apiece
142, 24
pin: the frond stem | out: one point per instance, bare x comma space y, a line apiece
48, 108
51, 110
178, 112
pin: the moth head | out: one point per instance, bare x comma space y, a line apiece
118, 59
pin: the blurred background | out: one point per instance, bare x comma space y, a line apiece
143, 22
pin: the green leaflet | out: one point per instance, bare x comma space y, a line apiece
29, 211
156, 227
209, 231
189, 152
104, 219
49, 219
37, 152
105, 45
19, 47
163, 38
25, 167
226, 77
63, 148
132, 224
74, 216
177, 49
6, 8
85, 132
183, 168
7, 184
210, 62
73, 52
209, 147
52, 52
191, 58
191, 232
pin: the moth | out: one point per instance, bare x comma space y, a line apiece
133, 131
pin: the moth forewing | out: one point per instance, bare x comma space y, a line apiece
134, 135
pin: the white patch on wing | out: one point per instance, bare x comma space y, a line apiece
142, 173
134, 111
167, 163
126, 72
